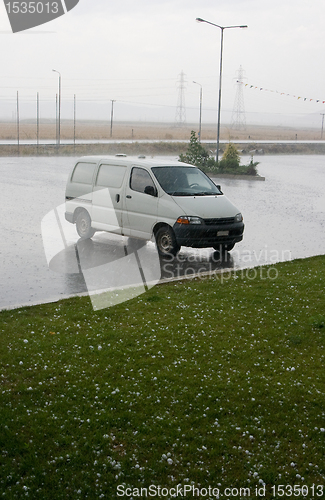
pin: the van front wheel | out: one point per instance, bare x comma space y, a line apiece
83, 225
166, 242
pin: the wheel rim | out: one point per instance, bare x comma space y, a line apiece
165, 242
83, 226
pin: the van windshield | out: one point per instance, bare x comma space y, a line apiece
184, 181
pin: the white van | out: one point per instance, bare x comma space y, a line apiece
173, 202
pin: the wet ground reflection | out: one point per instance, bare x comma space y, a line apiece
190, 262
108, 251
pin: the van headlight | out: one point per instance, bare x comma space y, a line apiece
189, 220
238, 218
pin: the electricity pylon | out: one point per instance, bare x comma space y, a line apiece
180, 118
238, 119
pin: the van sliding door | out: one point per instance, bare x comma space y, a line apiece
108, 199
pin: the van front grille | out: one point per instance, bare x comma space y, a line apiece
222, 220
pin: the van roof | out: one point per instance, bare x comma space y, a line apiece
134, 160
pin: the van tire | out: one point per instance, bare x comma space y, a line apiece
83, 225
166, 242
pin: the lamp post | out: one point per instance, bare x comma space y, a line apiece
74, 121
200, 126
321, 136
112, 111
18, 121
220, 76
37, 119
59, 109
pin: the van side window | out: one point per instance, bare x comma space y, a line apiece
83, 173
140, 179
110, 175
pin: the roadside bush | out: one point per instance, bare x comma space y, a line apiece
230, 165
252, 168
230, 158
197, 155
230, 162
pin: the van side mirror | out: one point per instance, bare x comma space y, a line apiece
219, 187
151, 190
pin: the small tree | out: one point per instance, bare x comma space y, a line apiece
230, 159
195, 154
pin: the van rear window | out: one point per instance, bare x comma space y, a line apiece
83, 173
110, 175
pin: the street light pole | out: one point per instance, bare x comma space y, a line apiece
37, 119
200, 126
59, 108
74, 121
219, 101
321, 136
18, 121
112, 111
222, 28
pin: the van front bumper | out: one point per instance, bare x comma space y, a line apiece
213, 233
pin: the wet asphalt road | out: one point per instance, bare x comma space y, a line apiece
284, 218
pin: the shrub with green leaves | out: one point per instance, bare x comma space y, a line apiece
197, 155
230, 158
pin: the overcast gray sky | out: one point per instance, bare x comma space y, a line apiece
134, 51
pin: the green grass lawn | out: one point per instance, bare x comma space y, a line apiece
199, 383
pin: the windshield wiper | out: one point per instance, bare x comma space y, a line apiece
204, 193
187, 193
180, 193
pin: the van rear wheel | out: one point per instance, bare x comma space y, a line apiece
166, 242
83, 225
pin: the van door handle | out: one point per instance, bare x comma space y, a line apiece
117, 198
128, 196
